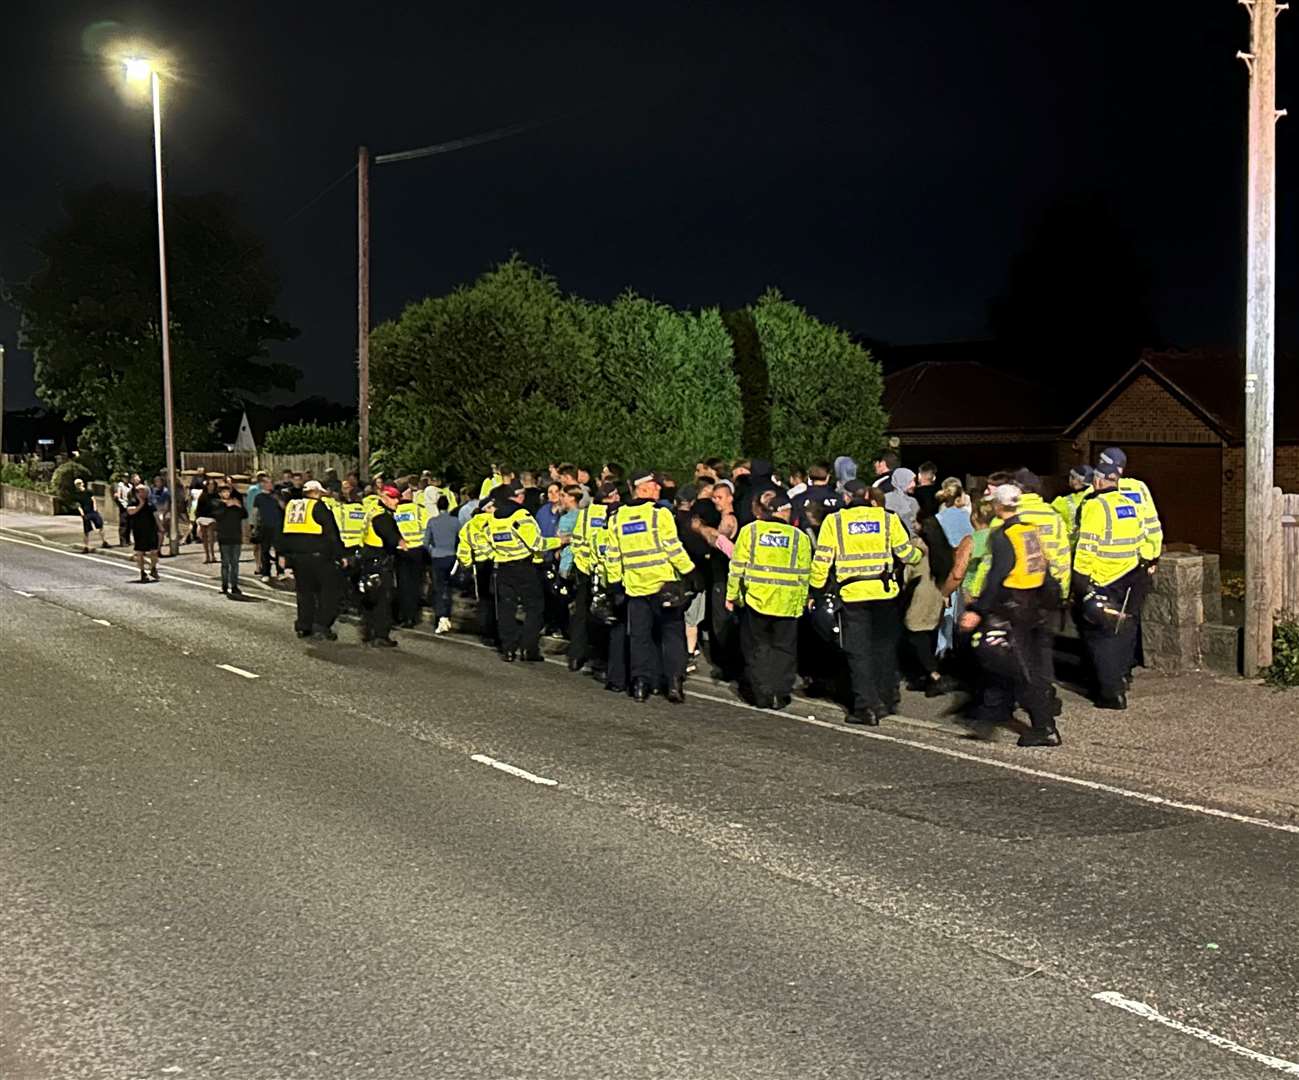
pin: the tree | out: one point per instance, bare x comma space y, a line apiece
668, 379
499, 371
825, 388
90, 315
754, 380
1078, 296
313, 438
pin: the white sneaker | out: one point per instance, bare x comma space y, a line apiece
443, 626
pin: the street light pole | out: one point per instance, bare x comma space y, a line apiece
169, 432
363, 306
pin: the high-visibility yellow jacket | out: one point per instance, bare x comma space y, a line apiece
860, 543
588, 530
516, 537
1053, 534
488, 484
411, 519
1067, 507
643, 550
472, 545
1111, 537
1139, 495
351, 519
372, 503
770, 568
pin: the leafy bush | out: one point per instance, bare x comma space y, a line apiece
1285, 654
62, 479
15, 476
311, 438
825, 388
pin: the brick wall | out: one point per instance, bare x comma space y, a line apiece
1286, 473
1146, 412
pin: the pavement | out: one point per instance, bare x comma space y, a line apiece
225, 853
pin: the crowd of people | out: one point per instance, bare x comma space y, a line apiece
764, 575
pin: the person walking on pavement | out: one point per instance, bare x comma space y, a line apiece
860, 544
516, 545
312, 546
230, 515
646, 559
84, 500
268, 521
1110, 577
143, 527
124, 497
411, 520
441, 536
379, 548
1009, 621
770, 569
474, 553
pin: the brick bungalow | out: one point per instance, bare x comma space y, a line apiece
1180, 417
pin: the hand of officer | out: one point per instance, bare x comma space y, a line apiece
730, 605
970, 620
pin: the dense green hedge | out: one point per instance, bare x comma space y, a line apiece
512, 370
311, 438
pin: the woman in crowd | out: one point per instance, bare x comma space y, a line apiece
206, 509
144, 528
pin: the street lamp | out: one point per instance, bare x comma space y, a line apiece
138, 69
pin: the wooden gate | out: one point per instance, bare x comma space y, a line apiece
1286, 550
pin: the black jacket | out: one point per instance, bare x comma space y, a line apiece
230, 522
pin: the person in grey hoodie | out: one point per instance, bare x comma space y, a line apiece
901, 501
845, 469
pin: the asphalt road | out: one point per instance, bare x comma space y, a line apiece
308, 874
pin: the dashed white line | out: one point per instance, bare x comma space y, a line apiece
238, 671
1146, 1012
102, 622
514, 770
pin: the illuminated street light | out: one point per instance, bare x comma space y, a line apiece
138, 69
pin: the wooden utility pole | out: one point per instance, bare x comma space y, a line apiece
363, 306
1260, 325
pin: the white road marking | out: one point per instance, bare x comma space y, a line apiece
514, 770
102, 622
1041, 774
1141, 1009
238, 671
29, 596
837, 727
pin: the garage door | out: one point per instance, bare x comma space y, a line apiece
1186, 482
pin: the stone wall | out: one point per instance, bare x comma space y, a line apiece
26, 501
1181, 622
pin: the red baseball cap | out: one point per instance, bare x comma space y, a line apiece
390, 491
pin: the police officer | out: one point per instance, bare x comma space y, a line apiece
379, 547
1009, 619
588, 536
474, 552
411, 518
516, 544
1067, 505
1052, 531
860, 543
312, 547
1110, 578
1136, 492
768, 579
609, 657
646, 560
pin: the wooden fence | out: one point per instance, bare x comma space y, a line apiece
247, 462
1286, 551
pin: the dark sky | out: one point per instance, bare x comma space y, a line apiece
879, 162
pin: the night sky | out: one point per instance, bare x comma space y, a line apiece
880, 163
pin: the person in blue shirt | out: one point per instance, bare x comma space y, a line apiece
440, 537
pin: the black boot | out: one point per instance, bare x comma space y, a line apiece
863, 716
1040, 737
1118, 702
509, 655
676, 691
574, 664
640, 690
